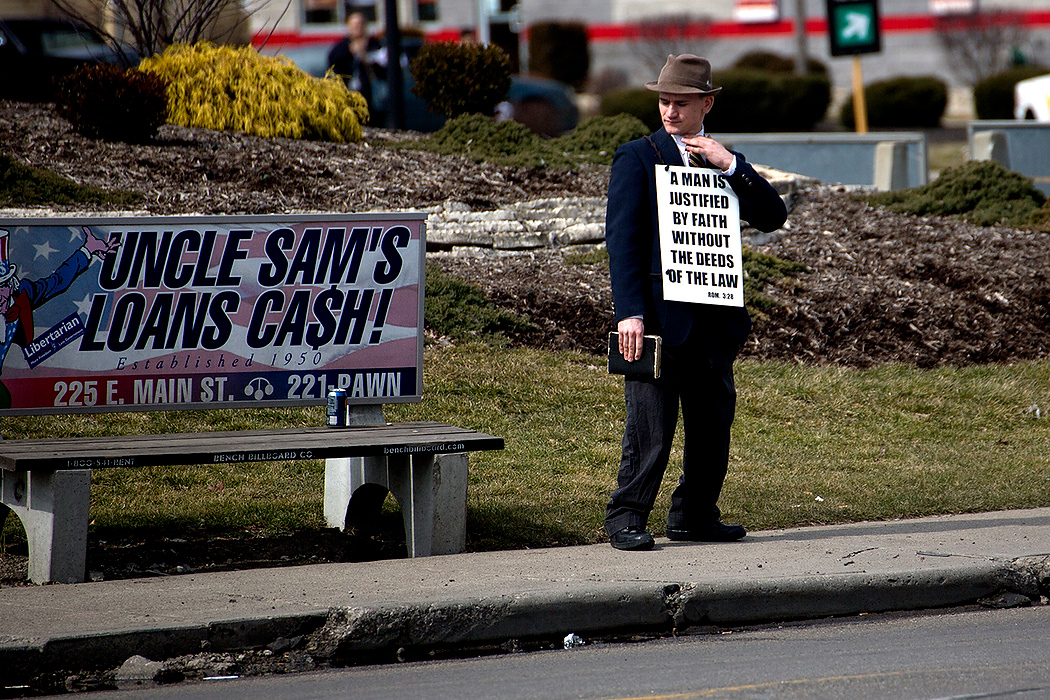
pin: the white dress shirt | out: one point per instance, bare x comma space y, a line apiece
685, 154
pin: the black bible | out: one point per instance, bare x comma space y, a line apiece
648, 365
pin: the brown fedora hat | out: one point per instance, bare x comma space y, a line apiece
685, 74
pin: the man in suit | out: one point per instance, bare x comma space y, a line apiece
350, 57
700, 341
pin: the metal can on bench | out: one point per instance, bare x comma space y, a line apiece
335, 414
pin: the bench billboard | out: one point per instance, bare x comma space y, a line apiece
160, 313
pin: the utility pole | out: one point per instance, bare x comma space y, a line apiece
484, 27
802, 46
394, 77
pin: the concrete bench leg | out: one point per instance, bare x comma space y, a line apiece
891, 166
343, 478
53, 508
991, 145
431, 489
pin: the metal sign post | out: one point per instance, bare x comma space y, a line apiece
853, 29
860, 107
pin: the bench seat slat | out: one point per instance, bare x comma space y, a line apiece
240, 446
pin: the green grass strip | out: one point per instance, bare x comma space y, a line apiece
810, 445
23, 186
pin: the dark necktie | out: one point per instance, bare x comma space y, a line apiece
696, 161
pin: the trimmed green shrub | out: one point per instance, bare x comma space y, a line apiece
108, 102
597, 139
483, 139
23, 185
775, 63
802, 102
640, 103
455, 309
455, 78
903, 102
753, 100
762, 92
750, 100
993, 97
559, 51
980, 191
235, 89
1040, 218
762, 101
765, 61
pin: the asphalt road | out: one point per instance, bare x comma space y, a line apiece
955, 654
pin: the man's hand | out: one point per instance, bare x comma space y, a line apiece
715, 153
98, 247
631, 332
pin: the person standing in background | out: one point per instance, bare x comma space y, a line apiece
349, 57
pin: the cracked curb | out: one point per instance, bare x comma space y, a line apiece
653, 607
346, 635
471, 622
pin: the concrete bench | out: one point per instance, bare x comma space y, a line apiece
210, 312
887, 161
1021, 146
47, 482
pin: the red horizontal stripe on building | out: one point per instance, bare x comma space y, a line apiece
611, 33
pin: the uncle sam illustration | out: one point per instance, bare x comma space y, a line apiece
20, 296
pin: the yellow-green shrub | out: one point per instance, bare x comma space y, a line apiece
235, 89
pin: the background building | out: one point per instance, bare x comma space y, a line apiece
958, 41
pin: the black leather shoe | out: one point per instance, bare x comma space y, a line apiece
715, 532
632, 539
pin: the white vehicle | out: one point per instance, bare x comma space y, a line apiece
1032, 99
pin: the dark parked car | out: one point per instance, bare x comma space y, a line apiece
545, 106
34, 53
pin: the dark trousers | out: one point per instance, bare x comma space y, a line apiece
704, 387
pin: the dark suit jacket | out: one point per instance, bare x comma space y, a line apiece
631, 235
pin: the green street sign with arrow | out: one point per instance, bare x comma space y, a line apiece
853, 27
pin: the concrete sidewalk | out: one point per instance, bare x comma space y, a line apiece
494, 597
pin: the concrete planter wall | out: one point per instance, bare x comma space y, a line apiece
556, 222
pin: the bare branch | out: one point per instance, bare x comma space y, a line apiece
153, 25
269, 35
980, 44
660, 35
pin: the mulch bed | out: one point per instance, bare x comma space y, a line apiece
881, 287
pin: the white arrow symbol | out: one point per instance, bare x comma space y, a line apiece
857, 24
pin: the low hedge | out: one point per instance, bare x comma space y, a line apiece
456, 78
750, 101
765, 101
902, 102
993, 97
980, 191
637, 102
